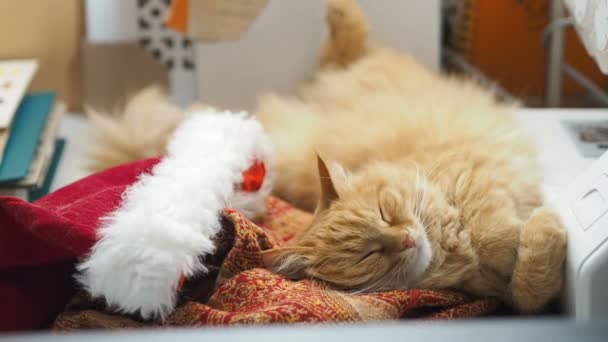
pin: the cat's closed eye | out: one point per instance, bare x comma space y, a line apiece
369, 255
385, 218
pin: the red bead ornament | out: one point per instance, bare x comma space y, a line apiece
180, 283
253, 178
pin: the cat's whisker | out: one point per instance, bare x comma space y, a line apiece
421, 204
417, 191
428, 226
396, 278
369, 288
324, 261
395, 275
401, 278
382, 282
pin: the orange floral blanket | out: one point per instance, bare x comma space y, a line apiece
238, 291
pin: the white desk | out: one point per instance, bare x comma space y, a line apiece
559, 157
516, 329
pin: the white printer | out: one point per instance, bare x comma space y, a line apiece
577, 187
580, 185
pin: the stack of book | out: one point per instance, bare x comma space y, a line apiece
29, 122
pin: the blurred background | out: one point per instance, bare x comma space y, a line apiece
96, 52
78, 54
530, 49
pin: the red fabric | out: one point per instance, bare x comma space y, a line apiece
40, 241
238, 290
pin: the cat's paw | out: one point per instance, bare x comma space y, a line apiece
538, 273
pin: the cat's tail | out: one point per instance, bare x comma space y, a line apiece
349, 31
140, 131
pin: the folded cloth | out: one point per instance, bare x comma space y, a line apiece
239, 291
41, 241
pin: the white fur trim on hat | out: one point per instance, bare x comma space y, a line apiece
168, 218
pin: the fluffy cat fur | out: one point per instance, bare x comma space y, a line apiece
436, 188
141, 131
441, 189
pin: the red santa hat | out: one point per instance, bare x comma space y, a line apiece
167, 219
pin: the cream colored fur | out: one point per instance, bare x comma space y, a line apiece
432, 159
429, 159
141, 131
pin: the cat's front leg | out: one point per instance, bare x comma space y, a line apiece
538, 274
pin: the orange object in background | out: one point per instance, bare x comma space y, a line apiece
177, 19
502, 38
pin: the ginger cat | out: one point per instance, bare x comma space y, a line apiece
437, 186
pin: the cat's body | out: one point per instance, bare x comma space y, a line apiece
439, 156
441, 190
387, 107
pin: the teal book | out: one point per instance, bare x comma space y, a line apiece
28, 124
50, 176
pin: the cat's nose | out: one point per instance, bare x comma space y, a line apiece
408, 242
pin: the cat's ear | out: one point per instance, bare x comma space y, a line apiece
340, 177
328, 190
289, 261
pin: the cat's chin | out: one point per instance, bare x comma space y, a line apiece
423, 255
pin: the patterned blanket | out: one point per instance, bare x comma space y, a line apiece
238, 291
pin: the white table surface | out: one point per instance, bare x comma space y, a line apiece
558, 155
559, 158
496, 330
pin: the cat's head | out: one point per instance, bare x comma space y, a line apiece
368, 232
